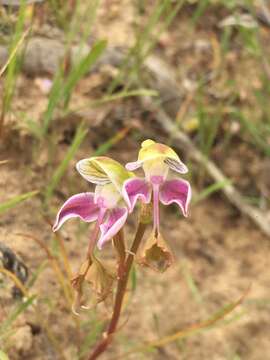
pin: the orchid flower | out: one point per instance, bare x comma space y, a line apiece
105, 206
156, 160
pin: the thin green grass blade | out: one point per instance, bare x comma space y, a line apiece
54, 98
60, 171
96, 329
144, 42
126, 94
13, 66
191, 330
9, 204
103, 148
173, 11
82, 68
133, 277
259, 135
62, 89
191, 284
114, 97
36, 274
210, 190
4, 327
201, 7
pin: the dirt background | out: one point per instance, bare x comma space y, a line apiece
217, 250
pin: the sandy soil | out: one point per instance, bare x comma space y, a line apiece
216, 247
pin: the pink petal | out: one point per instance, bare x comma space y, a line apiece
80, 205
176, 165
131, 166
178, 191
115, 221
134, 189
156, 191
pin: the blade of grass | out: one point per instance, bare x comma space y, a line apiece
61, 169
82, 68
13, 316
64, 255
191, 330
144, 44
210, 190
66, 287
133, 275
7, 205
114, 97
62, 87
103, 148
14, 52
125, 94
201, 7
36, 274
256, 132
172, 12
54, 99
96, 329
191, 284
13, 66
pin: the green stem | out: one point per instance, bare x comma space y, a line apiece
121, 289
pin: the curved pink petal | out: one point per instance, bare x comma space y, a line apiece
115, 221
80, 205
176, 165
176, 191
131, 166
134, 189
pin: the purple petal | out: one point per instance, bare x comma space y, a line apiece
115, 221
131, 166
176, 165
80, 205
134, 189
178, 191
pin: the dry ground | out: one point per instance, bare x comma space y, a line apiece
216, 246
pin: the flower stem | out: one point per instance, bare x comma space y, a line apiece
121, 289
119, 244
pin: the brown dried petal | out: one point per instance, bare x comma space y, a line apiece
77, 283
156, 254
101, 277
